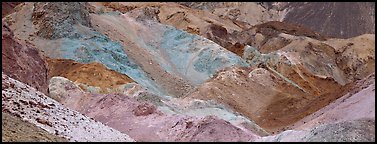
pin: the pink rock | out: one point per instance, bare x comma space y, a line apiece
22, 61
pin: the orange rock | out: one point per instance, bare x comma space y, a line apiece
91, 74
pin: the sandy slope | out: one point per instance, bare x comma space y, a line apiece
13, 129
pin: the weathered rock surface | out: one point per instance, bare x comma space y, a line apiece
89, 46
250, 12
8, 8
22, 61
230, 34
359, 103
56, 19
36, 108
327, 18
176, 60
298, 84
190, 71
166, 67
88, 75
336, 19
349, 118
362, 130
14, 129
144, 122
356, 56
197, 22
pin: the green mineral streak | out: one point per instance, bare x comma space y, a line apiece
254, 57
286, 79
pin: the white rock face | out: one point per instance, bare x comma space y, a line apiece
33, 106
58, 85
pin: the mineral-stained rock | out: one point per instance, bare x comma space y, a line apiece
89, 46
356, 56
358, 103
175, 59
56, 19
144, 122
22, 61
193, 21
265, 36
336, 19
199, 72
191, 107
90, 74
307, 69
36, 108
241, 89
167, 67
230, 35
327, 18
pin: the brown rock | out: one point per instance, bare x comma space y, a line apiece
15, 129
91, 74
144, 109
336, 19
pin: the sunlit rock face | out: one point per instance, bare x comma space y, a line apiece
93, 77
142, 120
296, 80
38, 109
185, 57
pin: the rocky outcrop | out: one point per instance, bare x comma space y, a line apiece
143, 121
230, 34
197, 22
89, 46
282, 103
34, 107
356, 56
325, 18
294, 77
358, 103
88, 75
56, 20
265, 36
22, 61
188, 72
174, 59
252, 13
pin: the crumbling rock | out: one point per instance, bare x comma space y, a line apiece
8, 8
56, 19
52, 116
22, 61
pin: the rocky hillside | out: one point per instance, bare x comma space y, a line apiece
188, 71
